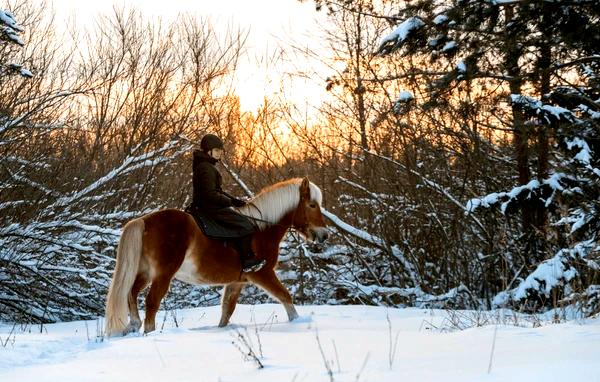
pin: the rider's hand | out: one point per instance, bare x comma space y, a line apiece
238, 202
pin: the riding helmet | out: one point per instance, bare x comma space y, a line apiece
211, 141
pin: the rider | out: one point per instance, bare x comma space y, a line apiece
212, 201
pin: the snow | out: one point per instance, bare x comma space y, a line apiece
549, 274
584, 155
486, 202
449, 46
402, 31
501, 299
8, 19
433, 41
21, 70
543, 110
546, 276
439, 19
554, 181
10, 28
356, 343
405, 96
495, 197
579, 219
461, 67
26, 73
593, 114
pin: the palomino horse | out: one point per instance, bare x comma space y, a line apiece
167, 244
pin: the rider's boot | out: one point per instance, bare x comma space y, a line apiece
249, 261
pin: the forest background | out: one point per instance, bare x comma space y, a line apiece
457, 150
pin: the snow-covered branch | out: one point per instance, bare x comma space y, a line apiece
9, 28
550, 274
396, 38
358, 233
548, 113
129, 164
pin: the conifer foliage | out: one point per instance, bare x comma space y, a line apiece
546, 57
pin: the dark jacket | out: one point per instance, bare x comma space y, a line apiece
208, 192
210, 204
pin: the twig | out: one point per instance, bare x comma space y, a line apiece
363, 366
162, 361
394, 347
270, 320
162, 327
327, 365
12, 333
174, 314
244, 346
99, 330
336, 356
253, 320
493, 348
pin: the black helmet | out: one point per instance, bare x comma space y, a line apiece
209, 142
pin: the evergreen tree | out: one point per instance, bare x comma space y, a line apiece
543, 56
546, 54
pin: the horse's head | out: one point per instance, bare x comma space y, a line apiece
308, 219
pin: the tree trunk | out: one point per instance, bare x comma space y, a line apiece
513, 52
360, 89
544, 63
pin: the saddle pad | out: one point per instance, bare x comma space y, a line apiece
230, 226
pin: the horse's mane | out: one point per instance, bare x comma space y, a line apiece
274, 202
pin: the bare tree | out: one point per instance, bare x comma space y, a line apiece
99, 136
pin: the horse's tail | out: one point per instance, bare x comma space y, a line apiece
129, 252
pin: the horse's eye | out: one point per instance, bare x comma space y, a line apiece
313, 205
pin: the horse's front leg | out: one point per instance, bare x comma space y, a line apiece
267, 280
231, 292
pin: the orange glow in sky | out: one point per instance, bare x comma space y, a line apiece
271, 24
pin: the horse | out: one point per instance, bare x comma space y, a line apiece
166, 244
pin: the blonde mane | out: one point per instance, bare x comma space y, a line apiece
274, 202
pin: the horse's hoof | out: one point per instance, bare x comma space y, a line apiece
126, 332
131, 329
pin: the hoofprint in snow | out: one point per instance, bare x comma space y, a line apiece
355, 343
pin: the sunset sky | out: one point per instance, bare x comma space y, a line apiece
271, 24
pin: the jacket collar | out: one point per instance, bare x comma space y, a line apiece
204, 157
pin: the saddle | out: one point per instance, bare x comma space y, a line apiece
211, 227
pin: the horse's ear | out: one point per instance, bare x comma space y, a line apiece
305, 189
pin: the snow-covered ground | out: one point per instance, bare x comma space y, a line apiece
357, 342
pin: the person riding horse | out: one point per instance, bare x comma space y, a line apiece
210, 202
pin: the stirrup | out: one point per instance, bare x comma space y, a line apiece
254, 267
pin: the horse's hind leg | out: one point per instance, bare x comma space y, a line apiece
158, 289
268, 281
231, 292
141, 282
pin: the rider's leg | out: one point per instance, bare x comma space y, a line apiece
249, 261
